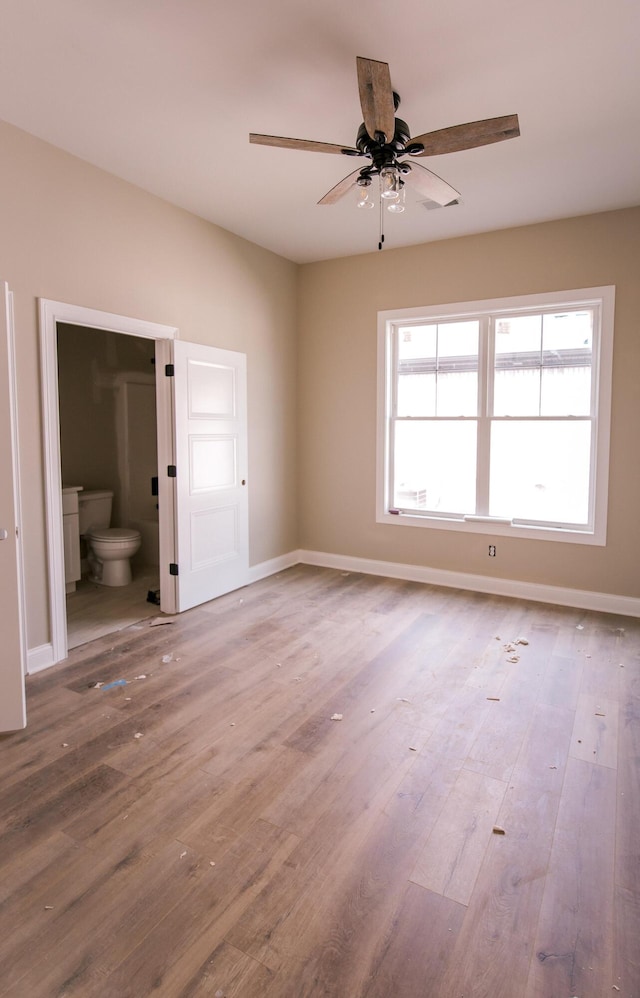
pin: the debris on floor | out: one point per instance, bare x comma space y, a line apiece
143, 676
403, 700
138, 734
167, 658
412, 748
183, 854
497, 830
153, 596
336, 717
509, 646
494, 698
48, 907
579, 627
116, 682
95, 686
521, 641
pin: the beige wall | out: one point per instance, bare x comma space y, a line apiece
339, 300
73, 233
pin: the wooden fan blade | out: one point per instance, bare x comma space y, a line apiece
340, 189
474, 133
429, 185
307, 144
376, 98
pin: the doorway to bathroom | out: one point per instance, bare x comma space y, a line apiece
202, 455
108, 445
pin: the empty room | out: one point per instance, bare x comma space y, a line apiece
319, 534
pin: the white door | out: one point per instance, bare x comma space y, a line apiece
12, 695
212, 509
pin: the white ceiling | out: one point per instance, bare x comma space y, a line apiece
164, 94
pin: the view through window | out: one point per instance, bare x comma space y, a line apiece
493, 415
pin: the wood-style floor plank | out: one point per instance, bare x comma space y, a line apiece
573, 948
209, 830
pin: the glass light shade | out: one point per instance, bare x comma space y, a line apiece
390, 183
363, 198
397, 206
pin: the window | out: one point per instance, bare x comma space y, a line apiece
494, 416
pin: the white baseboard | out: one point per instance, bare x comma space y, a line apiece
627, 606
274, 565
39, 658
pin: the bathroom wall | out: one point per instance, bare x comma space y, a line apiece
92, 442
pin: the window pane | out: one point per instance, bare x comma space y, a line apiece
438, 369
458, 339
435, 466
566, 391
518, 337
567, 339
457, 394
540, 471
516, 393
518, 345
417, 394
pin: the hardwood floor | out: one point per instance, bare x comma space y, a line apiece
208, 830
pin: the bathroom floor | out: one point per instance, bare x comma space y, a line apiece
94, 610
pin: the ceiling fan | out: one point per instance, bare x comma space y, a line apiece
384, 140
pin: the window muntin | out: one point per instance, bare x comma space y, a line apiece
498, 414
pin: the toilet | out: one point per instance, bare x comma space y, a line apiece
109, 548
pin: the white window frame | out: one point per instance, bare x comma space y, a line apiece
602, 300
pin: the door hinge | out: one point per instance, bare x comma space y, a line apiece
173, 568
172, 471
169, 370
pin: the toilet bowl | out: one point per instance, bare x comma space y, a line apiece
109, 554
109, 548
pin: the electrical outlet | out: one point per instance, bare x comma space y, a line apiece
492, 550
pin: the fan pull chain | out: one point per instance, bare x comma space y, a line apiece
381, 240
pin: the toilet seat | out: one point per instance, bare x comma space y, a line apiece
113, 534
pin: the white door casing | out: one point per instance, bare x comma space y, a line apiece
214, 570
212, 517
51, 313
12, 660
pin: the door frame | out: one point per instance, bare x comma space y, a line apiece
50, 314
13, 716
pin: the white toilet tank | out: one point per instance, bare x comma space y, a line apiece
95, 510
